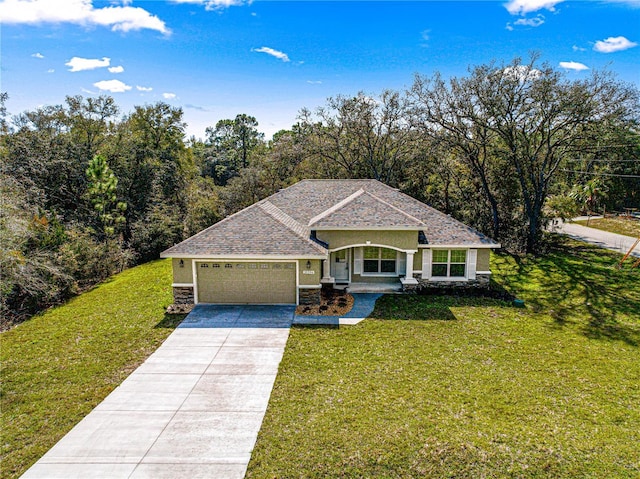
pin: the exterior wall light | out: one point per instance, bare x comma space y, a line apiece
182, 263
308, 264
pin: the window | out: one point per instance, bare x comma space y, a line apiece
379, 260
448, 263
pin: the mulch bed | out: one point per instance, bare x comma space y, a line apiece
333, 302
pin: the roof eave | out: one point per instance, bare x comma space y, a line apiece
461, 245
369, 228
243, 256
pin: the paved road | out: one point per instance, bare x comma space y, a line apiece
604, 239
193, 409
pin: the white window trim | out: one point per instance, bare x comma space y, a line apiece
427, 265
378, 274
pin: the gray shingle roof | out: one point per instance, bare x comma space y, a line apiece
365, 210
281, 224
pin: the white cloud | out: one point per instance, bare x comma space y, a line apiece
314, 82
613, 44
578, 49
216, 4
143, 88
169, 96
50, 70
79, 12
274, 53
574, 66
530, 22
118, 69
425, 34
37, 55
78, 64
522, 7
114, 86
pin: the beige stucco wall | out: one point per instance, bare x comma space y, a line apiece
309, 279
482, 263
417, 261
399, 239
182, 275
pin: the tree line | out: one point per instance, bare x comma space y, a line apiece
87, 191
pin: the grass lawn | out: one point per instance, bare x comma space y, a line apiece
463, 387
620, 225
59, 365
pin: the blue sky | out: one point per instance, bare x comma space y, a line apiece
269, 59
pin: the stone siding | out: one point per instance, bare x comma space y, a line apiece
481, 281
309, 296
183, 295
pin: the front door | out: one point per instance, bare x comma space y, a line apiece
341, 266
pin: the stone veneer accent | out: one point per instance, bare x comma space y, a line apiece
481, 281
309, 296
183, 295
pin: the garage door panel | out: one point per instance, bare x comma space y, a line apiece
254, 282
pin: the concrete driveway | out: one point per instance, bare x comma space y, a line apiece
192, 409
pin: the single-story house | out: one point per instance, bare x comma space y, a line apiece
315, 233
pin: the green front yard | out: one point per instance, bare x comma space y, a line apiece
462, 387
429, 387
59, 365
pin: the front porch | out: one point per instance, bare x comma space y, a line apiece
391, 286
369, 269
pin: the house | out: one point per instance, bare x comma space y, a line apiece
285, 248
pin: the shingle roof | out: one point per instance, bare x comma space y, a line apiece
365, 210
253, 231
282, 223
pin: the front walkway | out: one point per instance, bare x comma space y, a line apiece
192, 409
604, 239
363, 304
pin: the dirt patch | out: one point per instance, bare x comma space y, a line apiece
333, 302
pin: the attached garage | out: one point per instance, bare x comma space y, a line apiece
258, 282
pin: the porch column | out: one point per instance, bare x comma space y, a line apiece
409, 282
326, 272
409, 266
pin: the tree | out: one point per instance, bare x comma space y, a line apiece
364, 136
102, 189
231, 144
31, 278
451, 117
531, 118
589, 194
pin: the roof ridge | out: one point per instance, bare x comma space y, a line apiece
395, 208
282, 217
336, 207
